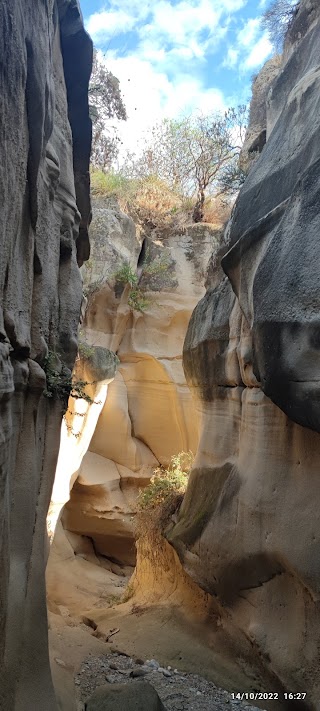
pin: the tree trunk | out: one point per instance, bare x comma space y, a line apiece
198, 208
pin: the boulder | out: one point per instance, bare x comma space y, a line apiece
138, 696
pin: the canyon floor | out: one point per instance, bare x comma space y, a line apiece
114, 642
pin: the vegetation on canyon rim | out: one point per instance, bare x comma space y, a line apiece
158, 501
186, 162
183, 162
277, 19
152, 203
184, 159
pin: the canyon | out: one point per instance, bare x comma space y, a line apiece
216, 352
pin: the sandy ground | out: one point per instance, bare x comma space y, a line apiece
88, 619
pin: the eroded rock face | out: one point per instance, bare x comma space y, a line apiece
256, 134
148, 415
41, 293
248, 530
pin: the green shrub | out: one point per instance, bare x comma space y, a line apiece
85, 350
126, 275
93, 286
107, 184
158, 501
137, 301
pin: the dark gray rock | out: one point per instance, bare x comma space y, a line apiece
248, 529
274, 263
45, 146
138, 696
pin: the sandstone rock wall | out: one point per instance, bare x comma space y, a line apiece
45, 146
248, 530
148, 415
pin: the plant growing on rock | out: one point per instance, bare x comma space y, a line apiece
158, 501
126, 275
136, 299
277, 20
61, 383
85, 350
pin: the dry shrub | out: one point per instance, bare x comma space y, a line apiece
149, 201
154, 204
216, 211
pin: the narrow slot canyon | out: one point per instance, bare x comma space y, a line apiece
159, 355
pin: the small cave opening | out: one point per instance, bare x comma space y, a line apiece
143, 253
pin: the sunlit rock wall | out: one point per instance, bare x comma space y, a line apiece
148, 414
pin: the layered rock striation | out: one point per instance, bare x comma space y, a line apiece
248, 531
147, 415
45, 211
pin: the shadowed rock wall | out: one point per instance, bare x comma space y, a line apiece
40, 286
248, 530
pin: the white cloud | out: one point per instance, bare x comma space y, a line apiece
108, 23
251, 48
150, 96
177, 24
164, 74
183, 21
247, 35
259, 53
231, 60
122, 16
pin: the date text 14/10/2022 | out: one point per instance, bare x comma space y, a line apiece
265, 695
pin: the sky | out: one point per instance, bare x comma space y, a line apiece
176, 56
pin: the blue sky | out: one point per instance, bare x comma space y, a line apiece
174, 56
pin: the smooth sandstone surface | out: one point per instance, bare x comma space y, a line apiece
248, 531
45, 212
147, 415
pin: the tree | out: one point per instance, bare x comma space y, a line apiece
105, 103
277, 19
194, 154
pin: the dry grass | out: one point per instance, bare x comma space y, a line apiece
149, 201
152, 203
216, 211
